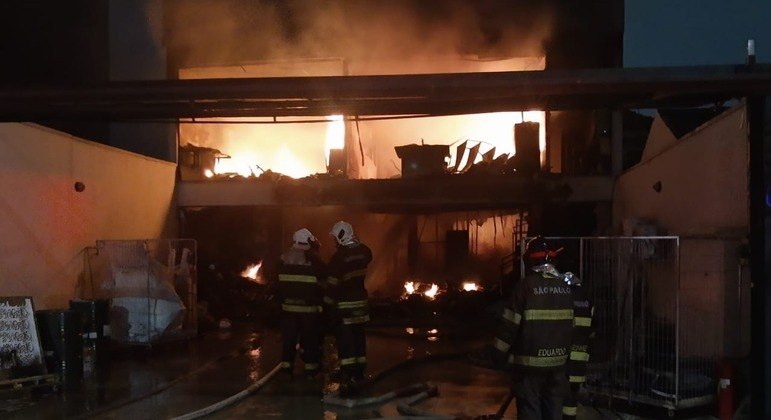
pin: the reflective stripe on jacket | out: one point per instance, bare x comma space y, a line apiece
299, 282
345, 292
536, 325
582, 329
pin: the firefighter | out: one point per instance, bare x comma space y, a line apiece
300, 273
579, 349
346, 297
535, 335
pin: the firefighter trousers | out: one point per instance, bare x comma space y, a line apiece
570, 407
352, 350
539, 394
305, 329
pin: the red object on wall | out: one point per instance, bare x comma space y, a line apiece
726, 390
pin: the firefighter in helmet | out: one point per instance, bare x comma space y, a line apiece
300, 273
534, 339
346, 298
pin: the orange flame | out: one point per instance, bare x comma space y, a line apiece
431, 292
470, 286
252, 272
409, 287
335, 135
245, 161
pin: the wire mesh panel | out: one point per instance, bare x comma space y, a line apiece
646, 323
639, 353
151, 285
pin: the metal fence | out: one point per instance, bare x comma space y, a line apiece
643, 350
151, 285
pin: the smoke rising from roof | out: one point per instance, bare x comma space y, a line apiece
209, 32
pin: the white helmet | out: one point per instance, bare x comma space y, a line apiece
302, 239
343, 233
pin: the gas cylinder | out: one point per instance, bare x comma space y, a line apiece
726, 390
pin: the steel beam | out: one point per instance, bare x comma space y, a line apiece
427, 94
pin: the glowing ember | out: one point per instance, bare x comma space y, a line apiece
252, 272
470, 286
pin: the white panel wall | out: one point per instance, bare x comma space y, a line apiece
46, 223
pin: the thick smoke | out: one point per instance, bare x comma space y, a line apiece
208, 32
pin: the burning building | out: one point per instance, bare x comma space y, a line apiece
345, 147
244, 183
441, 197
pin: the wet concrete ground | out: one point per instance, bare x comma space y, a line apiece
184, 377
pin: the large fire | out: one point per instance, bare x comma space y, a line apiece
299, 149
245, 159
301, 146
495, 131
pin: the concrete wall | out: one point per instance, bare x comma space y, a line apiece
703, 182
704, 199
46, 223
715, 296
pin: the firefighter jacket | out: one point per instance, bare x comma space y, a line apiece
300, 274
582, 330
537, 324
345, 294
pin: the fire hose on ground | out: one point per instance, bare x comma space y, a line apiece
424, 391
416, 392
232, 399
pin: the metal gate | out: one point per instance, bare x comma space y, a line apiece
643, 350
